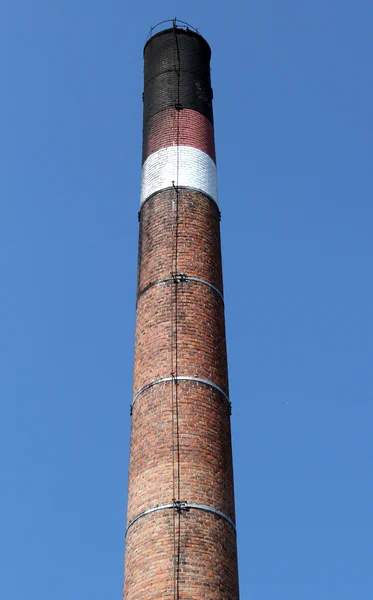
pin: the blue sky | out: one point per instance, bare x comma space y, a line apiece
293, 93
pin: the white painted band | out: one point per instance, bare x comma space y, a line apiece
180, 166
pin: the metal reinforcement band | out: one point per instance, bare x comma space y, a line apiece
181, 378
180, 506
179, 279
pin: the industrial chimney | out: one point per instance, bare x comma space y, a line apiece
181, 533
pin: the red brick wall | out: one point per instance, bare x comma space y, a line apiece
182, 127
198, 238
194, 550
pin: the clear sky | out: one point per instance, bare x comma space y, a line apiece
293, 94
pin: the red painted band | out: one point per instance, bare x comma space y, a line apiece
185, 127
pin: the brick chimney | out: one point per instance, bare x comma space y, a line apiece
181, 534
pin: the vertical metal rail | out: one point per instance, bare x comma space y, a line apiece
174, 343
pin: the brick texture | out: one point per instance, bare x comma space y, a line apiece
181, 436
184, 165
184, 127
208, 567
188, 458
164, 87
199, 251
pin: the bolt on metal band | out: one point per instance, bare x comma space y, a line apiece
181, 378
180, 506
179, 278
